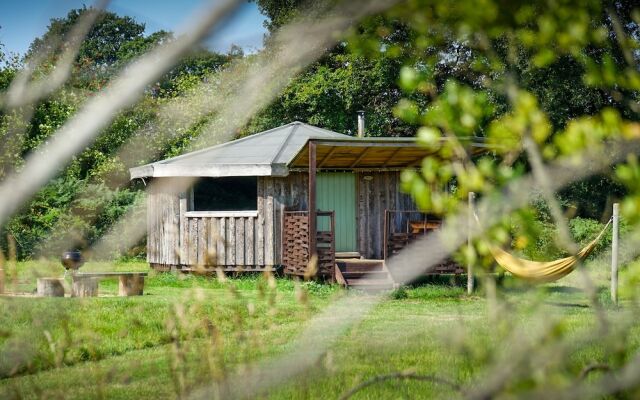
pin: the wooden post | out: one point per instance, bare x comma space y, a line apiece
614, 253
50, 287
384, 236
131, 285
472, 197
332, 215
312, 200
84, 287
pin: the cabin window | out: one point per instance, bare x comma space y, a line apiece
225, 194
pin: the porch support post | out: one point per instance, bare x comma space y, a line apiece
312, 200
472, 198
614, 253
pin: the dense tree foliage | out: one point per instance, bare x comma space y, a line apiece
548, 80
93, 191
332, 90
401, 71
392, 62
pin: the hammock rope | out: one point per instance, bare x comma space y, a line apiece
539, 271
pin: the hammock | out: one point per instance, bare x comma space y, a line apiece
539, 272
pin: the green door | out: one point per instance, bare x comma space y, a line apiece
336, 191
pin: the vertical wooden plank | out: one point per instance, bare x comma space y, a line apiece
365, 215
389, 190
472, 197
202, 241
373, 193
231, 242
384, 197
395, 198
240, 241
614, 253
161, 211
259, 257
249, 241
332, 264
358, 216
183, 228
212, 248
174, 218
192, 241
150, 225
151, 229
385, 235
279, 199
163, 229
156, 228
362, 217
280, 248
221, 244
270, 231
312, 199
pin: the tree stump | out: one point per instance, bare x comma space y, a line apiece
50, 287
84, 287
131, 285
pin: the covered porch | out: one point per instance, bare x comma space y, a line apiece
356, 208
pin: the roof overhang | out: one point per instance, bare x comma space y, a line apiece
372, 153
159, 170
331, 154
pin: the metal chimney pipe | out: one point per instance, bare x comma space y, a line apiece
360, 124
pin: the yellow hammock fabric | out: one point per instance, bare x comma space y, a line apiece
539, 272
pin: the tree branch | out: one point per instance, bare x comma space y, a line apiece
591, 368
402, 375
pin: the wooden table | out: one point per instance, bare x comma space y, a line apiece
86, 284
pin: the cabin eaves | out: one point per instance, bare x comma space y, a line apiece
264, 154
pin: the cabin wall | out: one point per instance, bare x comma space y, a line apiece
238, 240
177, 238
289, 193
163, 222
377, 192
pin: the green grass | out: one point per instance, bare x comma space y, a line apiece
187, 331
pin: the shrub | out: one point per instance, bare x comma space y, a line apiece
583, 230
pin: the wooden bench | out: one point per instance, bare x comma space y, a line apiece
86, 284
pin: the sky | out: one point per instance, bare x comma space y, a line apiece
21, 21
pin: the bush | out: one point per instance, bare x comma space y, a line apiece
399, 294
70, 213
543, 246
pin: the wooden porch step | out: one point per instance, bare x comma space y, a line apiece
364, 274
348, 254
345, 268
360, 264
370, 284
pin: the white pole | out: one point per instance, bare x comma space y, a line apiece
614, 253
472, 197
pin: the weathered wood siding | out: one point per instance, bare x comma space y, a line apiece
290, 193
176, 238
254, 242
163, 223
229, 241
378, 191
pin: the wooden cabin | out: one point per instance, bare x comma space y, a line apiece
250, 204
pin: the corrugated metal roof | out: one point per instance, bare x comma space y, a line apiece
264, 154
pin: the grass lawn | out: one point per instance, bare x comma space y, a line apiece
188, 331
